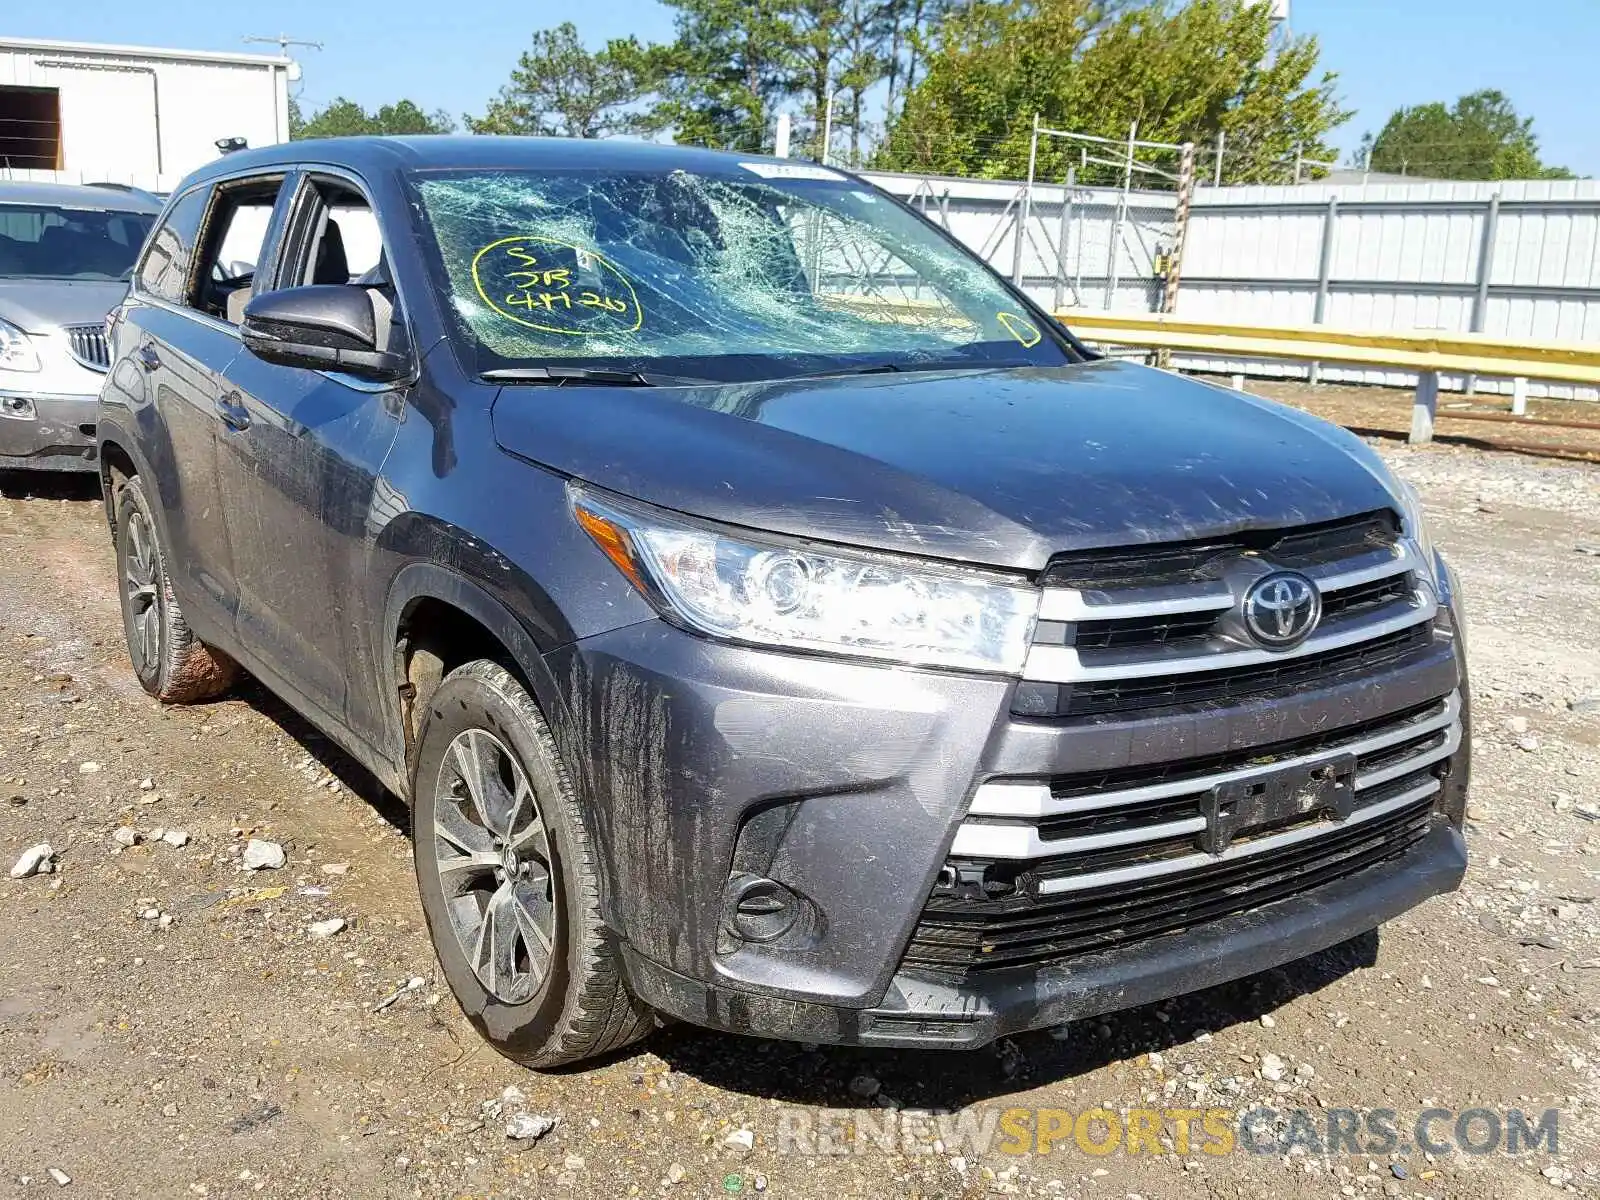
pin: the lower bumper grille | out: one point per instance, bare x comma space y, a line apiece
963, 937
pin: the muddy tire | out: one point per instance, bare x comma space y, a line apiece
172, 664
506, 869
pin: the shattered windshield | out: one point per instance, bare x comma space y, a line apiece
761, 271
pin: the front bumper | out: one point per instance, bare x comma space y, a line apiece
47, 432
706, 764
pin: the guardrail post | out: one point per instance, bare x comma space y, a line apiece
1424, 407
1519, 396
1236, 382
1330, 225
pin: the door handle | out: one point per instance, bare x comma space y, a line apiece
232, 413
149, 357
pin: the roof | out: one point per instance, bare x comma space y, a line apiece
434, 152
165, 53
73, 195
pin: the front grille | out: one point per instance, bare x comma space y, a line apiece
1042, 869
1300, 549
1155, 628
87, 344
1237, 685
960, 938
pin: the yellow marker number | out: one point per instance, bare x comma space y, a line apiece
555, 287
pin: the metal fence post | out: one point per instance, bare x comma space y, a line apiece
1114, 243
1222, 146
1330, 222
1480, 298
1025, 213
1424, 407
1061, 239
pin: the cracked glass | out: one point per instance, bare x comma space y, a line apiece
760, 270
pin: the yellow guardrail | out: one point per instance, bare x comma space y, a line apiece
1426, 352
1457, 353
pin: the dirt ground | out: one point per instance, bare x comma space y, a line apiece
170, 1027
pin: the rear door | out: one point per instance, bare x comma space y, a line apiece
169, 362
303, 476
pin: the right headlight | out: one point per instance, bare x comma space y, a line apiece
17, 352
744, 587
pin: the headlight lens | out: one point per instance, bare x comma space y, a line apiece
17, 352
799, 597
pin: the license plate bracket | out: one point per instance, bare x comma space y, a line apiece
1326, 786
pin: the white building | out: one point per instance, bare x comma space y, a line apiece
77, 112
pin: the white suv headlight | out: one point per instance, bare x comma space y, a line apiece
17, 352
740, 586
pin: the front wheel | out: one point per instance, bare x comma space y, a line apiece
506, 870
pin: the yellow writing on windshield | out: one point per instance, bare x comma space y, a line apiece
1019, 327
555, 287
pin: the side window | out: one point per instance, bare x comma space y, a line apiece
166, 263
336, 240
233, 243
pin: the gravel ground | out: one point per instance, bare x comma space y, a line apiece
171, 1024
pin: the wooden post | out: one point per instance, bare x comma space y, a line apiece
1424, 407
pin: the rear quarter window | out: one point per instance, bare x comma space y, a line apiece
165, 266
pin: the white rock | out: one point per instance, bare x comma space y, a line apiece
176, 837
157, 832
325, 929
513, 1095
89, 768
263, 856
60, 1176
35, 860
740, 1139
1268, 1021
1528, 743
1305, 1071
126, 835
1272, 1067
149, 914
335, 868
529, 1127
675, 1173
1518, 725
164, 920
146, 784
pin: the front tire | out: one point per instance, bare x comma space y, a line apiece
172, 664
507, 875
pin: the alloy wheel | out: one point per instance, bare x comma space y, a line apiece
140, 581
494, 859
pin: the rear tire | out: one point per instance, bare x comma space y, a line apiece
171, 663
508, 880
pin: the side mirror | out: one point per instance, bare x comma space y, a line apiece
322, 327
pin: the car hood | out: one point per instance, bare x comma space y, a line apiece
999, 467
39, 305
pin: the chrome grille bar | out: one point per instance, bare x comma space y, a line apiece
1065, 664
1022, 804
1189, 862
87, 345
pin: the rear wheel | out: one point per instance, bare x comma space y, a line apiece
506, 869
172, 664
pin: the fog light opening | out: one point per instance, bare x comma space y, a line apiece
18, 408
760, 910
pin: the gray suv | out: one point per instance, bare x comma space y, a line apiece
65, 256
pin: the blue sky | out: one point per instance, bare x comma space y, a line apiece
1386, 52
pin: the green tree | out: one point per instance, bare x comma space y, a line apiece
559, 88
724, 77
1479, 137
346, 118
1183, 72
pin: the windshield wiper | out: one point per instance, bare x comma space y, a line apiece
585, 376
884, 368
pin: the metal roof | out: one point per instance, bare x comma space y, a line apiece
167, 54
74, 195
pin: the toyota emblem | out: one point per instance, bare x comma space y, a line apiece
1282, 609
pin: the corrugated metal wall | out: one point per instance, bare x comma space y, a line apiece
110, 97
1396, 256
